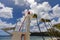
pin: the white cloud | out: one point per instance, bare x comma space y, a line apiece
42, 10
55, 22
33, 22
59, 20
6, 25
5, 12
56, 10
46, 16
20, 22
30, 1
43, 27
1, 5
35, 29
44, 7
21, 2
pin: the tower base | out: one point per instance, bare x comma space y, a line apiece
19, 35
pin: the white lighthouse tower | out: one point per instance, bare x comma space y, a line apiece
17, 35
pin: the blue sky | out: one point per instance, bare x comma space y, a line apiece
18, 9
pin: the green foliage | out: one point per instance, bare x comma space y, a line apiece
35, 16
54, 33
57, 25
45, 20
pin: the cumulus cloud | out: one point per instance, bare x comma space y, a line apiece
19, 2
56, 10
59, 20
33, 22
30, 1
19, 23
3, 24
1, 5
42, 27
46, 16
43, 11
5, 12
23, 2
55, 22
35, 29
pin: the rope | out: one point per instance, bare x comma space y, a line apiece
22, 24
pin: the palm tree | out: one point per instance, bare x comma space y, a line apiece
35, 16
47, 20
57, 33
57, 25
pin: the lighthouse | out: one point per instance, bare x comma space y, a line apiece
18, 35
